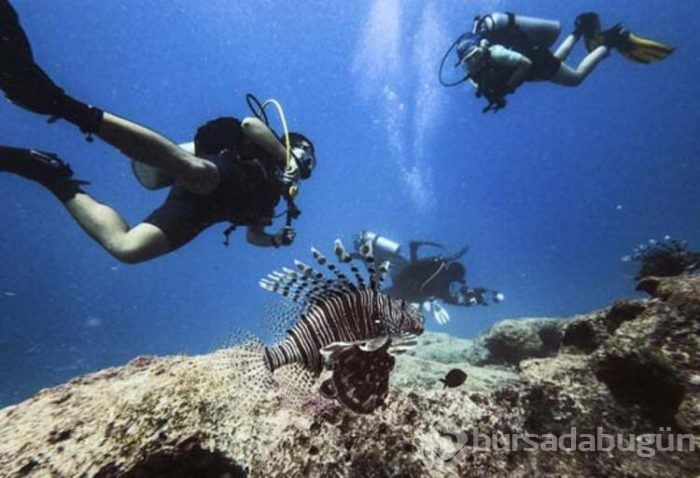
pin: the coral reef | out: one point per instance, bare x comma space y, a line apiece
632, 368
510, 341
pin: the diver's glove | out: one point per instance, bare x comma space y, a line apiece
495, 103
495, 95
285, 237
291, 173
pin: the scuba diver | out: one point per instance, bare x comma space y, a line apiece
504, 50
426, 280
235, 171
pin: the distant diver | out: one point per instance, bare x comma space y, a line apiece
430, 280
504, 50
344, 326
666, 258
234, 172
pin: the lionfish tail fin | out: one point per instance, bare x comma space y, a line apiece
246, 365
246, 369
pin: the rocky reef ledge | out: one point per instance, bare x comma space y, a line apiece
630, 369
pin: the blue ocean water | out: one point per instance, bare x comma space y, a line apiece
550, 193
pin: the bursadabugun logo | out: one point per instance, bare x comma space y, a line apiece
447, 444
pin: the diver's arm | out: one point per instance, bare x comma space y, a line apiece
450, 299
257, 236
519, 75
265, 138
511, 59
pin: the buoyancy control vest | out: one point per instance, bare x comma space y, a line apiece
224, 137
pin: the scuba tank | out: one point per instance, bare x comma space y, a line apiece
516, 31
150, 177
379, 243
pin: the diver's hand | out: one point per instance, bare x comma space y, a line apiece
285, 237
291, 173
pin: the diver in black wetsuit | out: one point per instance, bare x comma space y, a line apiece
237, 173
424, 280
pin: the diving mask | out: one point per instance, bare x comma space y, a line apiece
473, 57
303, 153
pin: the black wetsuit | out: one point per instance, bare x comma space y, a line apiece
544, 64
248, 191
425, 280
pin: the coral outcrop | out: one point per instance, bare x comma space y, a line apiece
510, 341
631, 370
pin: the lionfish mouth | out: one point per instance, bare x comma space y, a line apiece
345, 326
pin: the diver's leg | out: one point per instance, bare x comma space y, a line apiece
29, 87
567, 76
144, 145
99, 221
106, 226
566, 47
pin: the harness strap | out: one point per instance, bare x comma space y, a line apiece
511, 20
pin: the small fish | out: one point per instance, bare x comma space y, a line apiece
454, 378
349, 328
10, 294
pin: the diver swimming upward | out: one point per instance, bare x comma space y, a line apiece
428, 281
504, 50
237, 171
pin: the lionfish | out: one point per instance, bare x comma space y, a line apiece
349, 328
666, 258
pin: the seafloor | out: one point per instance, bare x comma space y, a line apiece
631, 369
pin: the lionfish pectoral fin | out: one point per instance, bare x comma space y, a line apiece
331, 350
402, 344
373, 344
361, 378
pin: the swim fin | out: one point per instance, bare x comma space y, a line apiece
630, 45
26, 85
634, 47
46, 169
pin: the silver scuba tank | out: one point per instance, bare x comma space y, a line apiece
380, 244
539, 31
